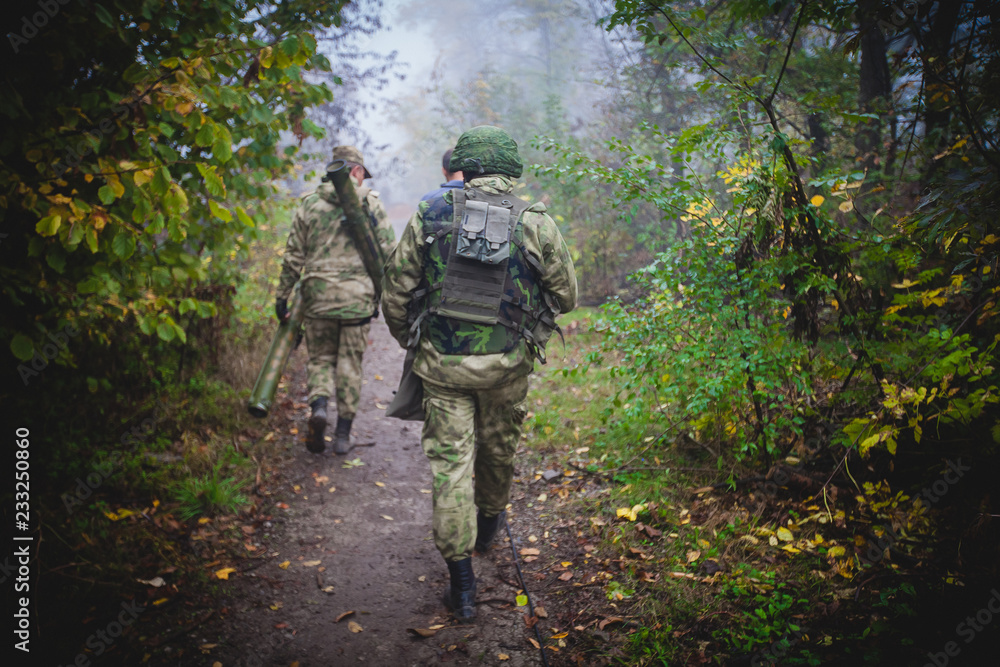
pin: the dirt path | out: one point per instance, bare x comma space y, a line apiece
358, 539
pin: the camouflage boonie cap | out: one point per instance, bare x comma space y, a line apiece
352, 155
486, 150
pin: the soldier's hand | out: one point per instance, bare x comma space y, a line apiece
281, 309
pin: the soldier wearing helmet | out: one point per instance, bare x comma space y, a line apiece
338, 297
473, 289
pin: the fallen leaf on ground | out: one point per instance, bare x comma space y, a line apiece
540, 612
425, 490
276, 606
354, 627
565, 576
534, 643
529, 551
386, 517
224, 572
380, 406
207, 647
328, 589
155, 582
609, 620
692, 556
436, 627
503, 656
311, 563
284, 566
378, 377
532, 538
785, 535
379, 483
421, 632
343, 616
332, 489
521, 600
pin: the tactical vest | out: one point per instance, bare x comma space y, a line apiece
481, 292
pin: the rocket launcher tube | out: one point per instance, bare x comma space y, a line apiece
358, 224
274, 364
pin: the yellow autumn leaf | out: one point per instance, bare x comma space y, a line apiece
311, 563
846, 206
354, 627
817, 200
692, 556
789, 548
203, 520
836, 552
284, 566
224, 572
382, 484
785, 535
503, 656
276, 606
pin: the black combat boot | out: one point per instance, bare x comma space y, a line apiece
317, 426
342, 439
486, 529
461, 597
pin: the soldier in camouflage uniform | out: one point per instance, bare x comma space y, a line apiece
474, 373
338, 297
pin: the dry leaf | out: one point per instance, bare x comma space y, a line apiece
609, 620
328, 589
541, 613
529, 551
534, 643
343, 616
354, 627
436, 627
224, 572
276, 606
311, 563
692, 556
386, 517
503, 656
421, 632
284, 566
565, 576
207, 647
785, 535
155, 582
379, 483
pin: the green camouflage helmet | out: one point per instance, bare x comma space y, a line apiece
486, 150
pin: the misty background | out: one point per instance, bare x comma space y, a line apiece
424, 71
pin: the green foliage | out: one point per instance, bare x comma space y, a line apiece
211, 495
130, 194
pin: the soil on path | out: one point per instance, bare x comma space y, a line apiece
351, 566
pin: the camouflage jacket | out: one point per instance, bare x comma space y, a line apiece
404, 272
322, 255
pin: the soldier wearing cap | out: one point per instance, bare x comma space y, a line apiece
338, 297
473, 288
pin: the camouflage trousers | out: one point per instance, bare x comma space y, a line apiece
470, 432
335, 351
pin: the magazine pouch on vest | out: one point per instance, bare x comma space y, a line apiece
476, 273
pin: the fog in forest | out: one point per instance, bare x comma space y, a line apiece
531, 67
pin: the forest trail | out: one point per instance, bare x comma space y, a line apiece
354, 546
